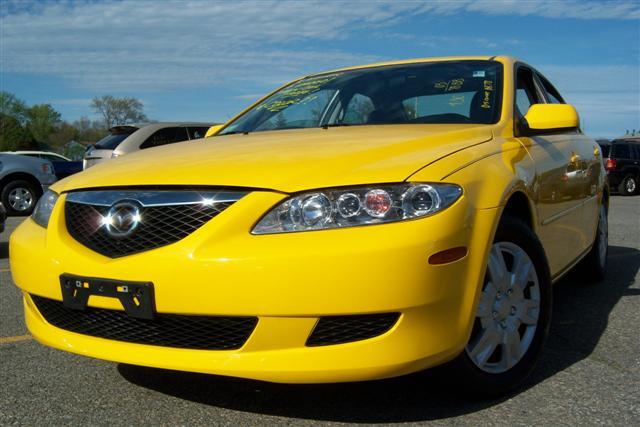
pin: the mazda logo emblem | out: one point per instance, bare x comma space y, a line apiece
122, 218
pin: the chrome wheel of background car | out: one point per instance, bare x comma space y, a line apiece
630, 185
21, 199
508, 311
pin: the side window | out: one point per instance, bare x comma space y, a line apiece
165, 136
197, 132
526, 92
358, 109
622, 151
552, 94
635, 151
52, 158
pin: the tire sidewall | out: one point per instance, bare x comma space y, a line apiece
478, 381
12, 186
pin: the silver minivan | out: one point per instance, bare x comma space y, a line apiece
124, 139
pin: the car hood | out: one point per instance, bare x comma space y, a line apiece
289, 160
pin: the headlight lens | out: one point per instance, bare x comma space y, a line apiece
349, 207
43, 209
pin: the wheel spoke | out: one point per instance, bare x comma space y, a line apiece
524, 311
498, 269
486, 300
485, 346
510, 348
522, 267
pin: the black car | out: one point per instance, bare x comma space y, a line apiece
622, 161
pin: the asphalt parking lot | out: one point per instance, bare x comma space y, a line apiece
589, 373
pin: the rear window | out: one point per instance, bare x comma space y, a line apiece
111, 141
605, 148
622, 151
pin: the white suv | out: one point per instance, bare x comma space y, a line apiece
128, 138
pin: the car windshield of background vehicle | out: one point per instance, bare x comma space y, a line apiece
451, 92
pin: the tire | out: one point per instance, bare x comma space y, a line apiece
593, 267
19, 197
512, 318
628, 186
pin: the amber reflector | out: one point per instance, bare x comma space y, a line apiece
448, 255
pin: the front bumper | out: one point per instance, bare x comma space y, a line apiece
288, 281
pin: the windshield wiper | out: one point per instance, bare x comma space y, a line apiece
334, 125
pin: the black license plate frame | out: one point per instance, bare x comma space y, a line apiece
137, 298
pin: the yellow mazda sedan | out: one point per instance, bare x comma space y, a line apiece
357, 224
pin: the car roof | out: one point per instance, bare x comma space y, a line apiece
421, 60
34, 152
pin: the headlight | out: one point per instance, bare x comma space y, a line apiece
43, 209
349, 207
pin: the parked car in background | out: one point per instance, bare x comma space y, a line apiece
22, 181
355, 225
622, 162
3, 217
126, 139
62, 166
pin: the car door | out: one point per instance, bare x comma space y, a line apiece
588, 158
560, 178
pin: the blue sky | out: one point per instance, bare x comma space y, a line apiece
206, 60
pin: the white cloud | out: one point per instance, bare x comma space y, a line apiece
606, 96
150, 45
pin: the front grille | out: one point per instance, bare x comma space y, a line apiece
166, 330
160, 226
341, 329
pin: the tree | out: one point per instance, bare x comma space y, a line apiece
14, 107
12, 135
118, 111
89, 131
42, 121
63, 133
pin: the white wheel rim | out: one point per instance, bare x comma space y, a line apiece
631, 185
20, 199
508, 311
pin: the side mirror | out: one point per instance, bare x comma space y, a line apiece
213, 130
552, 116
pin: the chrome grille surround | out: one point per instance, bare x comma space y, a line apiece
163, 217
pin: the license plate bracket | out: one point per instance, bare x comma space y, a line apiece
137, 298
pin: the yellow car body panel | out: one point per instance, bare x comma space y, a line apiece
290, 280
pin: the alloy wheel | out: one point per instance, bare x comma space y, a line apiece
508, 311
630, 185
20, 199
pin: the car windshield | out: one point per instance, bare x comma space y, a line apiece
460, 92
111, 141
